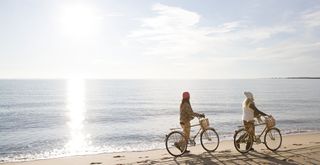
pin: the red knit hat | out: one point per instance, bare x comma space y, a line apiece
185, 95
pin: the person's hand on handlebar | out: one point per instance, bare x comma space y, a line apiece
259, 119
201, 115
267, 116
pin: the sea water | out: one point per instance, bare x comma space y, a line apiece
42, 119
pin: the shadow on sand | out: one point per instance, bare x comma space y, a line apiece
307, 155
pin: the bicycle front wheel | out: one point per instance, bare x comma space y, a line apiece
273, 139
242, 141
176, 143
209, 139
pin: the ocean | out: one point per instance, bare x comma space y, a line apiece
42, 119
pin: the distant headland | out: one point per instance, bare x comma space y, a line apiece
295, 78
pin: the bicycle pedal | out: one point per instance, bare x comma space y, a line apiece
192, 143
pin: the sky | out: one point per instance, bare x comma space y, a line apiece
150, 39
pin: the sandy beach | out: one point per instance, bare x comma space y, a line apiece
295, 149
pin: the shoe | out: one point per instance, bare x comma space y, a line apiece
247, 147
257, 139
237, 145
176, 144
187, 151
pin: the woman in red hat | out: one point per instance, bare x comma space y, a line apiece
186, 114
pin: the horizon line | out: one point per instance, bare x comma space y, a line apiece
290, 77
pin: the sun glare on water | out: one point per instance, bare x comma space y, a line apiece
79, 141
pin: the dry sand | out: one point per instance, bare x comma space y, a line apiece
295, 149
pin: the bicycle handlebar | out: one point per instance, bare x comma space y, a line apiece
201, 115
264, 116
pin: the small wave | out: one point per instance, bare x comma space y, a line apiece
58, 153
299, 131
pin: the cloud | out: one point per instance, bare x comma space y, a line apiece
311, 18
176, 33
287, 51
177, 36
170, 17
169, 32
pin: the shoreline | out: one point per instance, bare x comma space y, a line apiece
291, 146
300, 132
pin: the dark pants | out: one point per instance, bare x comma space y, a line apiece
249, 126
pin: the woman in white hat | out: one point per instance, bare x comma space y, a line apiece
250, 111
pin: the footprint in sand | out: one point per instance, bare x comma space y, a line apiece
144, 161
165, 158
266, 157
225, 151
118, 156
297, 144
315, 142
287, 160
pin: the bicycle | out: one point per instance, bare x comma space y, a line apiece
243, 142
177, 143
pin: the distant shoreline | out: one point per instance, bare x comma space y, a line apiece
32, 79
295, 78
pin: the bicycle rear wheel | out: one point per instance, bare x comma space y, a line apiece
273, 139
242, 141
176, 143
209, 139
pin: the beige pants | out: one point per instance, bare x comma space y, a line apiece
186, 129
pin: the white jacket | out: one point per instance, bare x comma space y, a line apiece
248, 113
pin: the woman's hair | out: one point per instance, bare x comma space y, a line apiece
246, 102
185, 101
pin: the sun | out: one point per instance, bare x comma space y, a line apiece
79, 20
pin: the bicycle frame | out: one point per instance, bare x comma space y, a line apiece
264, 130
195, 136
191, 137
262, 133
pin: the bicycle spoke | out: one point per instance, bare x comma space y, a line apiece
242, 141
175, 143
209, 140
273, 139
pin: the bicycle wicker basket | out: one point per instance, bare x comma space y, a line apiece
270, 122
204, 123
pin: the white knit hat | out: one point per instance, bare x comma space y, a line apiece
249, 95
